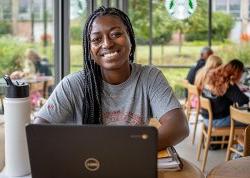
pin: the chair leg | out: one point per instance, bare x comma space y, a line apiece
188, 111
195, 125
223, 139
200, 145
228, 153
205, 154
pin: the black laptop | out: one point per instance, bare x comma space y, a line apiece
75, 151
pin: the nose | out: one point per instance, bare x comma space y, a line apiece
107, 42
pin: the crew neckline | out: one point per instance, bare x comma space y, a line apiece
123, 83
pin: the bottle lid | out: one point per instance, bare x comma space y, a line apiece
16, 89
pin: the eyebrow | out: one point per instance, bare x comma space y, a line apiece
97, 32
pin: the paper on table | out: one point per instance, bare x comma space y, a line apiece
169, 160
163, 154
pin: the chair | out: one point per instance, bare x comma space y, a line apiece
48, 84
207, 133
193, 92
184, 84
244, 140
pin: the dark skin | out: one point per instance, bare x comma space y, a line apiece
110, 48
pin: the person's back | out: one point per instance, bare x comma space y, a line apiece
221, 88
42, 67
205, 53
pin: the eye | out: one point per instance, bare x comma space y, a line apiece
95, 39
116, 34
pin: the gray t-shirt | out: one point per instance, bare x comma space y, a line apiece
145, 94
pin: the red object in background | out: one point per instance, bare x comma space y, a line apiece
47, 37
245, 37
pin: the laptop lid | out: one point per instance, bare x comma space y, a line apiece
84, 151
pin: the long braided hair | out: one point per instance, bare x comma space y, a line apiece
92, 109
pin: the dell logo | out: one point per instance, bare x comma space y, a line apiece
92, 164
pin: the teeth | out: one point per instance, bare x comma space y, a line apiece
108, 55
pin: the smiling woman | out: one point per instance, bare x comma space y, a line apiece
111, 89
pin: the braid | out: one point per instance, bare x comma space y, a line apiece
92, 109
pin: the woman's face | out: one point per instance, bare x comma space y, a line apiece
109, 43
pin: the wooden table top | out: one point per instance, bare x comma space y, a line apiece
239, 168
189, 171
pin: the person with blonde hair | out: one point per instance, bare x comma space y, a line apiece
221, 88
213, 62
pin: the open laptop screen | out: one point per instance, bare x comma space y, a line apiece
72, 151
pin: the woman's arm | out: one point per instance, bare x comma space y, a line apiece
174, 128
234, 94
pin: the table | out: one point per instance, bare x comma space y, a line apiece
239, 168
41, 84
189, 171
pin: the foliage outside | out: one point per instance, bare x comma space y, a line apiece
11, 54
5, 27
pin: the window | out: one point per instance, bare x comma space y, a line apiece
234, 8
78, 15
220, 5
18, 27
249, 9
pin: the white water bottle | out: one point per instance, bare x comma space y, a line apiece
16, 116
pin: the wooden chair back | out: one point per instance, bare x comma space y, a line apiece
193, 92
242, 117
206, 104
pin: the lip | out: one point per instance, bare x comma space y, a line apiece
109, 52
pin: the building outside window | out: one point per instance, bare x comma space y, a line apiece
234, 8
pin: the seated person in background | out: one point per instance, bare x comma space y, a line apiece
212, 63
33, 65
220, 86
111, 89
245, 81
205, 53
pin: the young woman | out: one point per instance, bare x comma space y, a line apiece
111, 89
213, 62
220, 86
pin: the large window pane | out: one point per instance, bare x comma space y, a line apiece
138, 12
78, 15
26, 44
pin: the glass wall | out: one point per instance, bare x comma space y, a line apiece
25, 24
27, 42
78, 15
138, 11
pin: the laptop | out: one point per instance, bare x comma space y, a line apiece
91, 151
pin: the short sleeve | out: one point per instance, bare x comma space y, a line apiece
59, 106
161, 95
